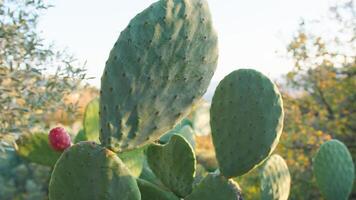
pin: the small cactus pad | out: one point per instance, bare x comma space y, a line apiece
91, 121
134, 160
161, 64
275, 179
80, 136
173, 164
334, 170
214, 187
150, 191
89, 171
246, 119
35, 148
148, 175
183, 129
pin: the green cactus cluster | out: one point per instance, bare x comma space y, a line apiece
334, 170
136, 142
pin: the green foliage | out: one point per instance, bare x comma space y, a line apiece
334, 170
35, 148
89, 171
161, 64
91, 121
246, 119
275, 179
174, 164
215, 186
150, 191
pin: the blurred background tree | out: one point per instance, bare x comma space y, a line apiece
320, 93
36, 80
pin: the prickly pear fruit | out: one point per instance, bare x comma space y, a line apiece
59, 139
246, 118
334, 170
275, 179
160, 66
88, 171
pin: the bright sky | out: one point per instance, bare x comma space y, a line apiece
252, 33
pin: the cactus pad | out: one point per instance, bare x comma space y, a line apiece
183, 129
334, 170
91, 121
161, 64
246, 118
35, 148
88, 171
275, 179
174, 164
80, 136
215, 186
150, 191
134, 160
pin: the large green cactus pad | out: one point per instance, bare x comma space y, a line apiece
246, 118
35, 148
91, 121
275, 179
150, 191
160, 65
334, 170
89, 171
214, 187
174, 164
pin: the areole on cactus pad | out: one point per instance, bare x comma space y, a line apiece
160, 65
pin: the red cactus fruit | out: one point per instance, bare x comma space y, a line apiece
59, 139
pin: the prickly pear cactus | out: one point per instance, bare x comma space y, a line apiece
80, 136
334, 170
35, 148
160, 65
134, 160
183, 129
215, 186
246, 118
150, 191
174, 164
89, 171
275, 179
91, 121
